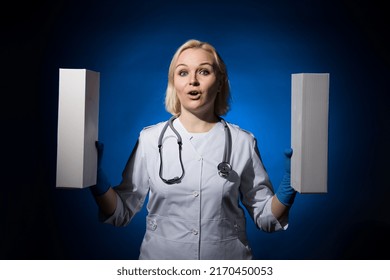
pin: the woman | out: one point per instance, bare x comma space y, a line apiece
196, 168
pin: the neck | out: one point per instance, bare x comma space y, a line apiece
197, 124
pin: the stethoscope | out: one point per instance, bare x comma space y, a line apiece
224, 167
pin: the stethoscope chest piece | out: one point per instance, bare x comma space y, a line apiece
224, 169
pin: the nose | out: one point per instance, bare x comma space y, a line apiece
194, 80
194, 83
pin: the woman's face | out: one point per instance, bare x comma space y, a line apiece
195, 81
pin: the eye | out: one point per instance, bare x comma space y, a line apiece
204, 72
183, 73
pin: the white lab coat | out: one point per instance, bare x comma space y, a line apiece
200, 217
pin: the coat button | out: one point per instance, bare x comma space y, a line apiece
153, 225
195, 232
195, 193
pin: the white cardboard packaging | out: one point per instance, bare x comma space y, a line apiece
309, 132
78, 115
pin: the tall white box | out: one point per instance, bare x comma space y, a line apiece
309, 132
78, 115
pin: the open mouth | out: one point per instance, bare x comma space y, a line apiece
194, 94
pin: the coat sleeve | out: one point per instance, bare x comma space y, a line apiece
133, 189
257, 192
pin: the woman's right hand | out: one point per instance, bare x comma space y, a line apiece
102, 183
105, 196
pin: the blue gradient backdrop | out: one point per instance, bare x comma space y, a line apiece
262, 42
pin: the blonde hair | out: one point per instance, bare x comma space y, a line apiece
222, 101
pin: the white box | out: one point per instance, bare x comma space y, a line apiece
309, 132
78, 115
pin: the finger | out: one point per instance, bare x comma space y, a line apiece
288, 152
99, 146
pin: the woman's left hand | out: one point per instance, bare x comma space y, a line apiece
285, 193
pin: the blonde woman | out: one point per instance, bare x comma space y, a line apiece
196, 168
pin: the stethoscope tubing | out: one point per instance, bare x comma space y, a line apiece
224, 168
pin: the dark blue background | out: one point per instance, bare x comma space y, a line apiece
131, 44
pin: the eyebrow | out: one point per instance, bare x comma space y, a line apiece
204, 63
